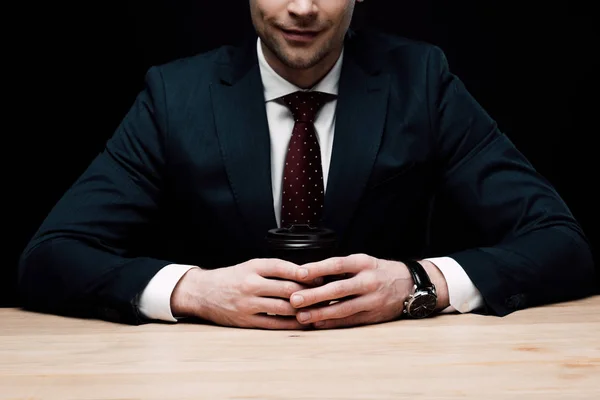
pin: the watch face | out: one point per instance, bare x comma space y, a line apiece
422, 305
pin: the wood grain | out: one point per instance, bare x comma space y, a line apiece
551, 352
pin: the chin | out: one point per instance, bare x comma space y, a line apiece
302, 58
300, 62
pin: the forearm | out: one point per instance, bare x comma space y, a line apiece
539, 267
184, 301
68, 276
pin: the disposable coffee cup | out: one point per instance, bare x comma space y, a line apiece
301, 244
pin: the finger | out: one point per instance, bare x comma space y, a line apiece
275, 323
272, 306
336, 266
363, 318
277, 288
340, 310
331, 291
274, 268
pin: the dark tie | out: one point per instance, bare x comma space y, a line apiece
302, 189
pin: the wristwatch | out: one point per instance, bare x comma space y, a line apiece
423, 301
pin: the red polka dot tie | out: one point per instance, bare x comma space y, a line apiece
302, 189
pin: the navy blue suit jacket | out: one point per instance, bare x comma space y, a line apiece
186, 179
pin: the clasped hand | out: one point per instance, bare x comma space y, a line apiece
371, 291
276, 294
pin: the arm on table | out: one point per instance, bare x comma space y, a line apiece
86, 259
534, 250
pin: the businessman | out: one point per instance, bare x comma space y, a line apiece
308, 123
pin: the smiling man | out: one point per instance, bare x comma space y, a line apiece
308, 123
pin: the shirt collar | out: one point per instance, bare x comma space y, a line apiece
276, 87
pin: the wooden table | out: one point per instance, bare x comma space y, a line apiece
551, 352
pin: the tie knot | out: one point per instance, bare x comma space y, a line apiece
305, 105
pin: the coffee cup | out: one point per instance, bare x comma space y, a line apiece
301, 244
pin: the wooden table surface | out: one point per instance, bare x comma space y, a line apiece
550, 352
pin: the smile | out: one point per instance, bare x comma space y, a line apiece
299, 36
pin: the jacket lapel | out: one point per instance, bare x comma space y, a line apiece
360, 119
242, 128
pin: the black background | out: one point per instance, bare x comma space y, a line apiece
76, 68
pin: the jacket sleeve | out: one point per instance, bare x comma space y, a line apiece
531, 251
84, 259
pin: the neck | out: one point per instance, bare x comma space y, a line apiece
303, 78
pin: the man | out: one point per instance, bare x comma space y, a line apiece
357, 132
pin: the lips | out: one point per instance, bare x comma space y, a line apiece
301, 36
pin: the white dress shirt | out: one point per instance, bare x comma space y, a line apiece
155, 301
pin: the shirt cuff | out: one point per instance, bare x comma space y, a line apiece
464, 296
155, 300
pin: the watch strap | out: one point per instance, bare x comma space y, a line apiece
420, 276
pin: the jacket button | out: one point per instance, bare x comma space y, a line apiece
516, 302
